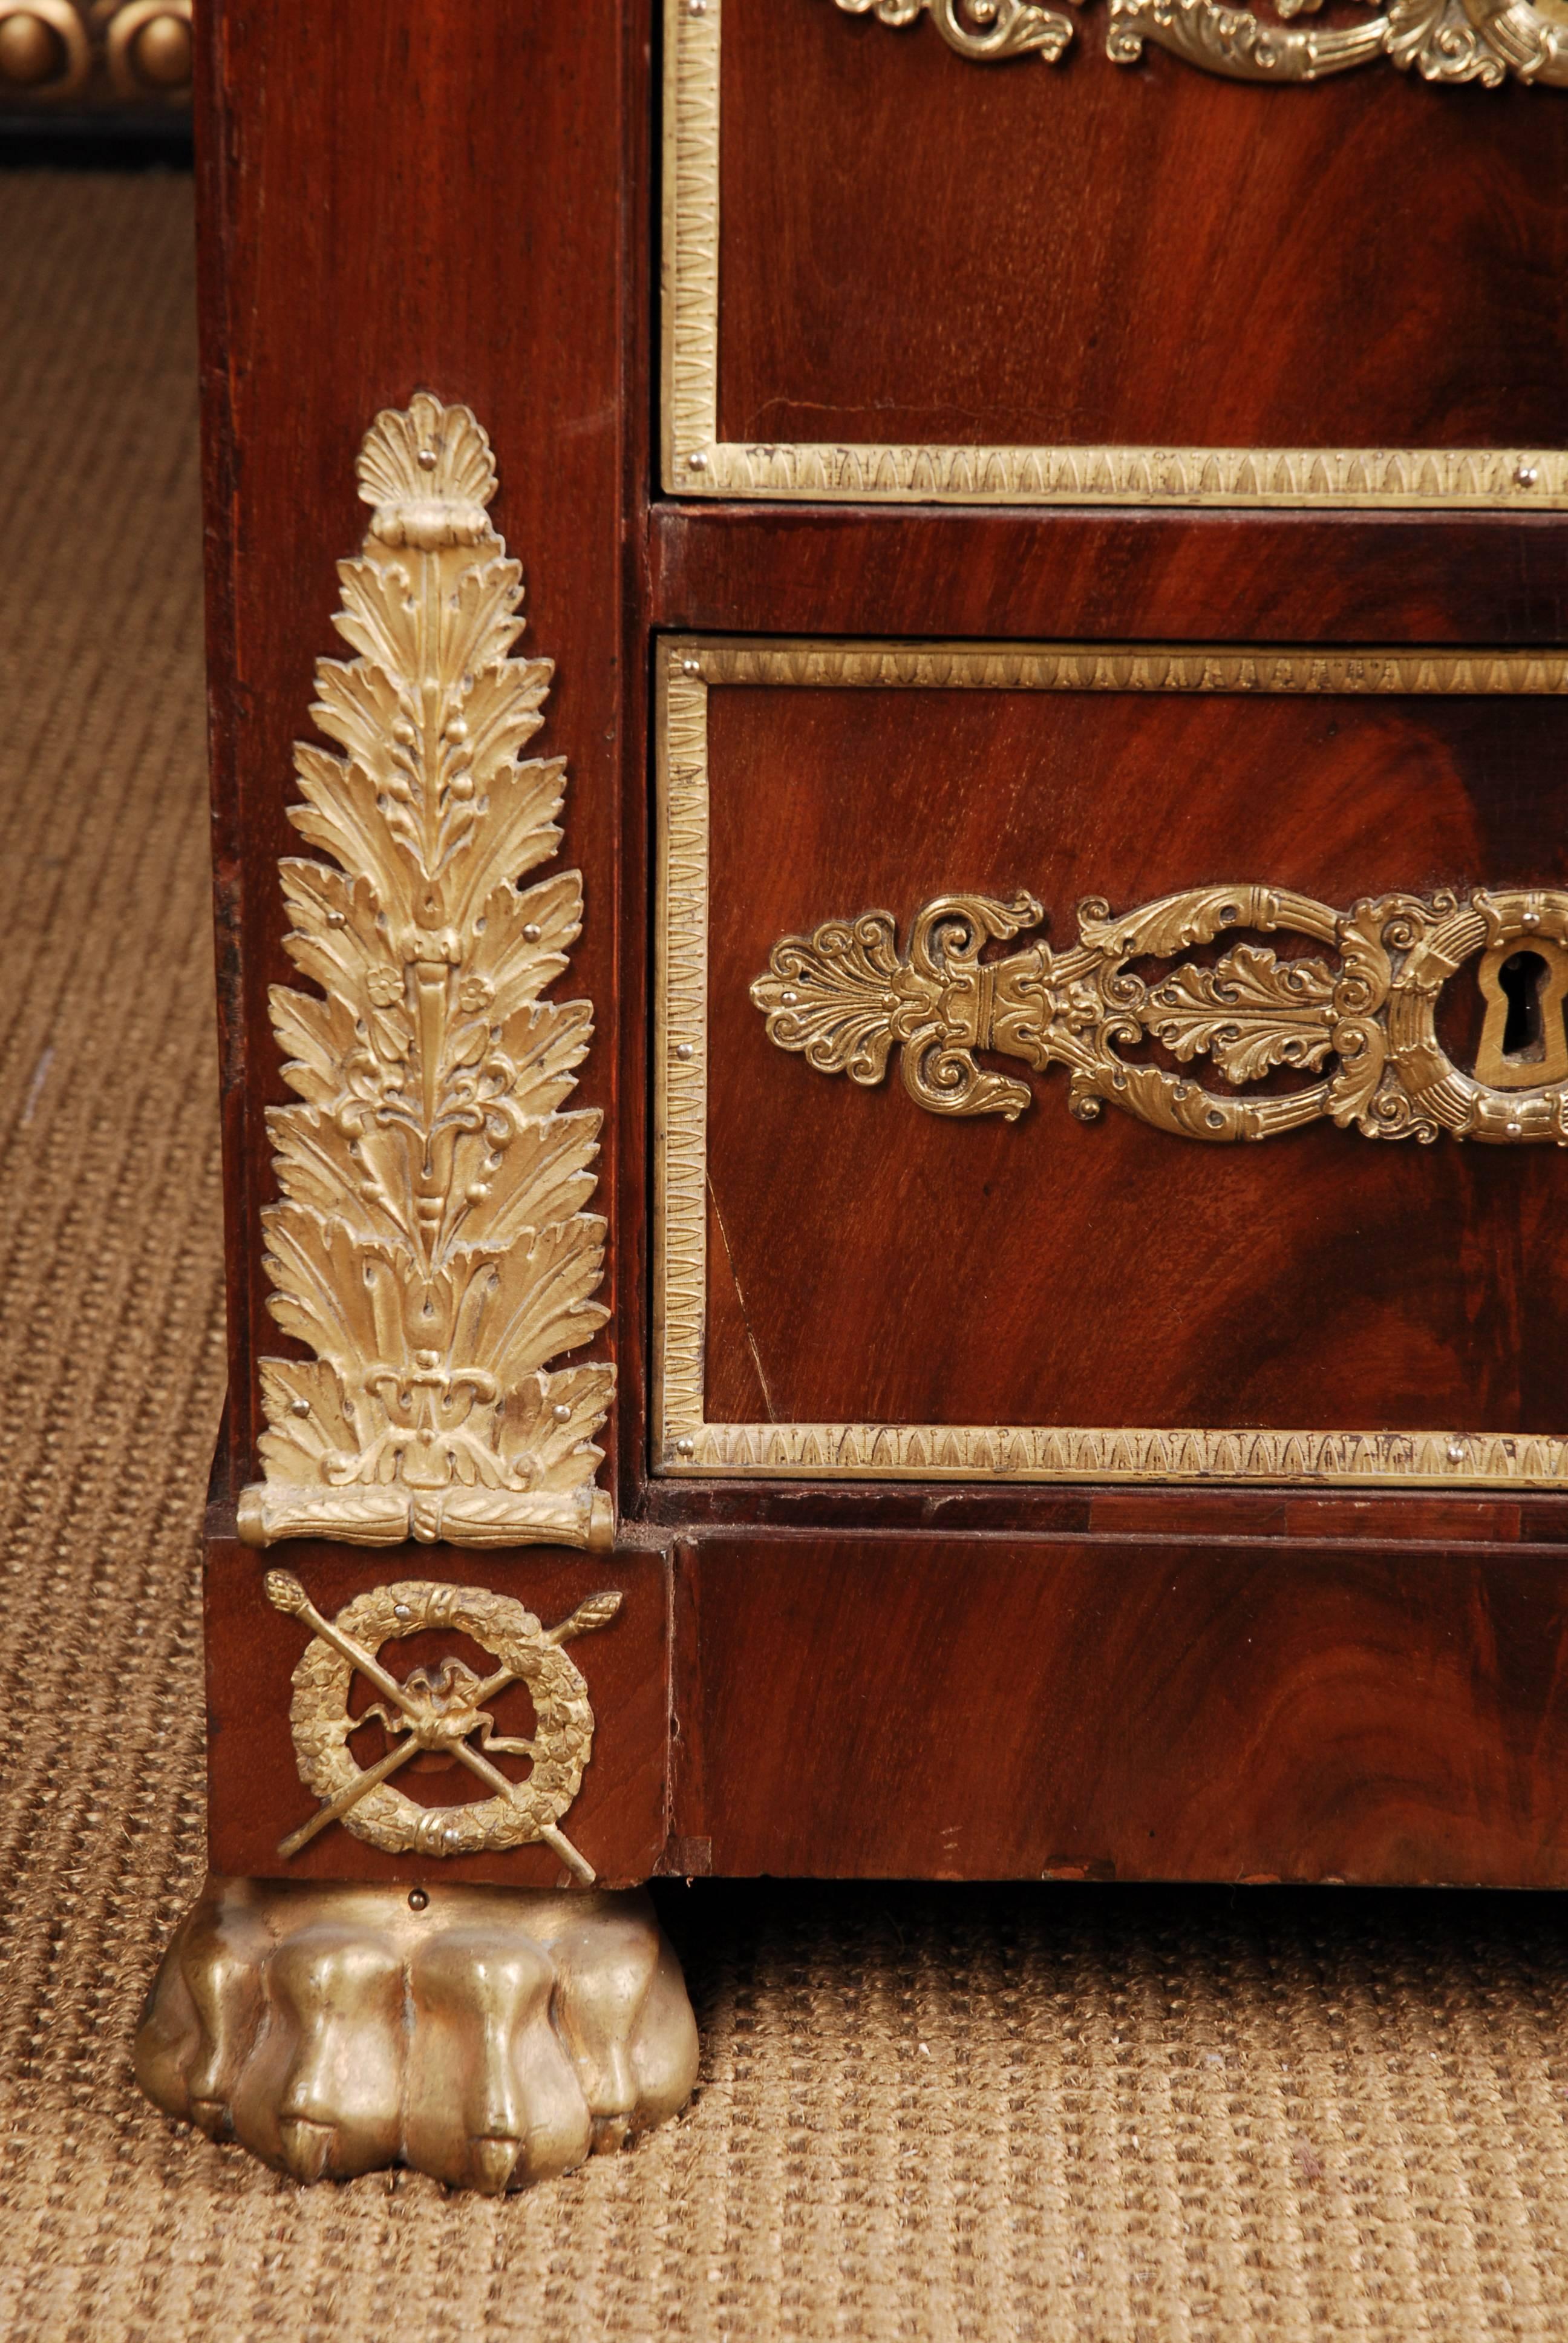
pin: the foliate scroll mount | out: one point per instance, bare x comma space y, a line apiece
431, 1249
1364, 1023
980, 28
1484, 41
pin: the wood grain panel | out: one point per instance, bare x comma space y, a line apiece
1162, 577
414, 195
972, 1709
916, 249
882, 1264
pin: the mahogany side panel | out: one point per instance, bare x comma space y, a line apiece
915, 249
425, 194
860, 1707
256, 1798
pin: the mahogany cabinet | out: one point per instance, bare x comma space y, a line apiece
1052, 536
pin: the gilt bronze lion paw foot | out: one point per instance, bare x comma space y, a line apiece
488, 2037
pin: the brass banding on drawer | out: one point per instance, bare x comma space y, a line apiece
1301, 1312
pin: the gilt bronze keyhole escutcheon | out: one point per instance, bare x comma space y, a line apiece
1362, 1022
1524, 1041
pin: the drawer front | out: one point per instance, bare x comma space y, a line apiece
918, 252
1116, 1064
974, 1708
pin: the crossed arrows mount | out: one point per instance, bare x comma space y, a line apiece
444, 1710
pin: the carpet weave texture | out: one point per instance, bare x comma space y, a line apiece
1078, 2115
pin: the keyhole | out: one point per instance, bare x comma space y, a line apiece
1522, 978
1523, 1042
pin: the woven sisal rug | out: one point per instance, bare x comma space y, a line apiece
1058, 2113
